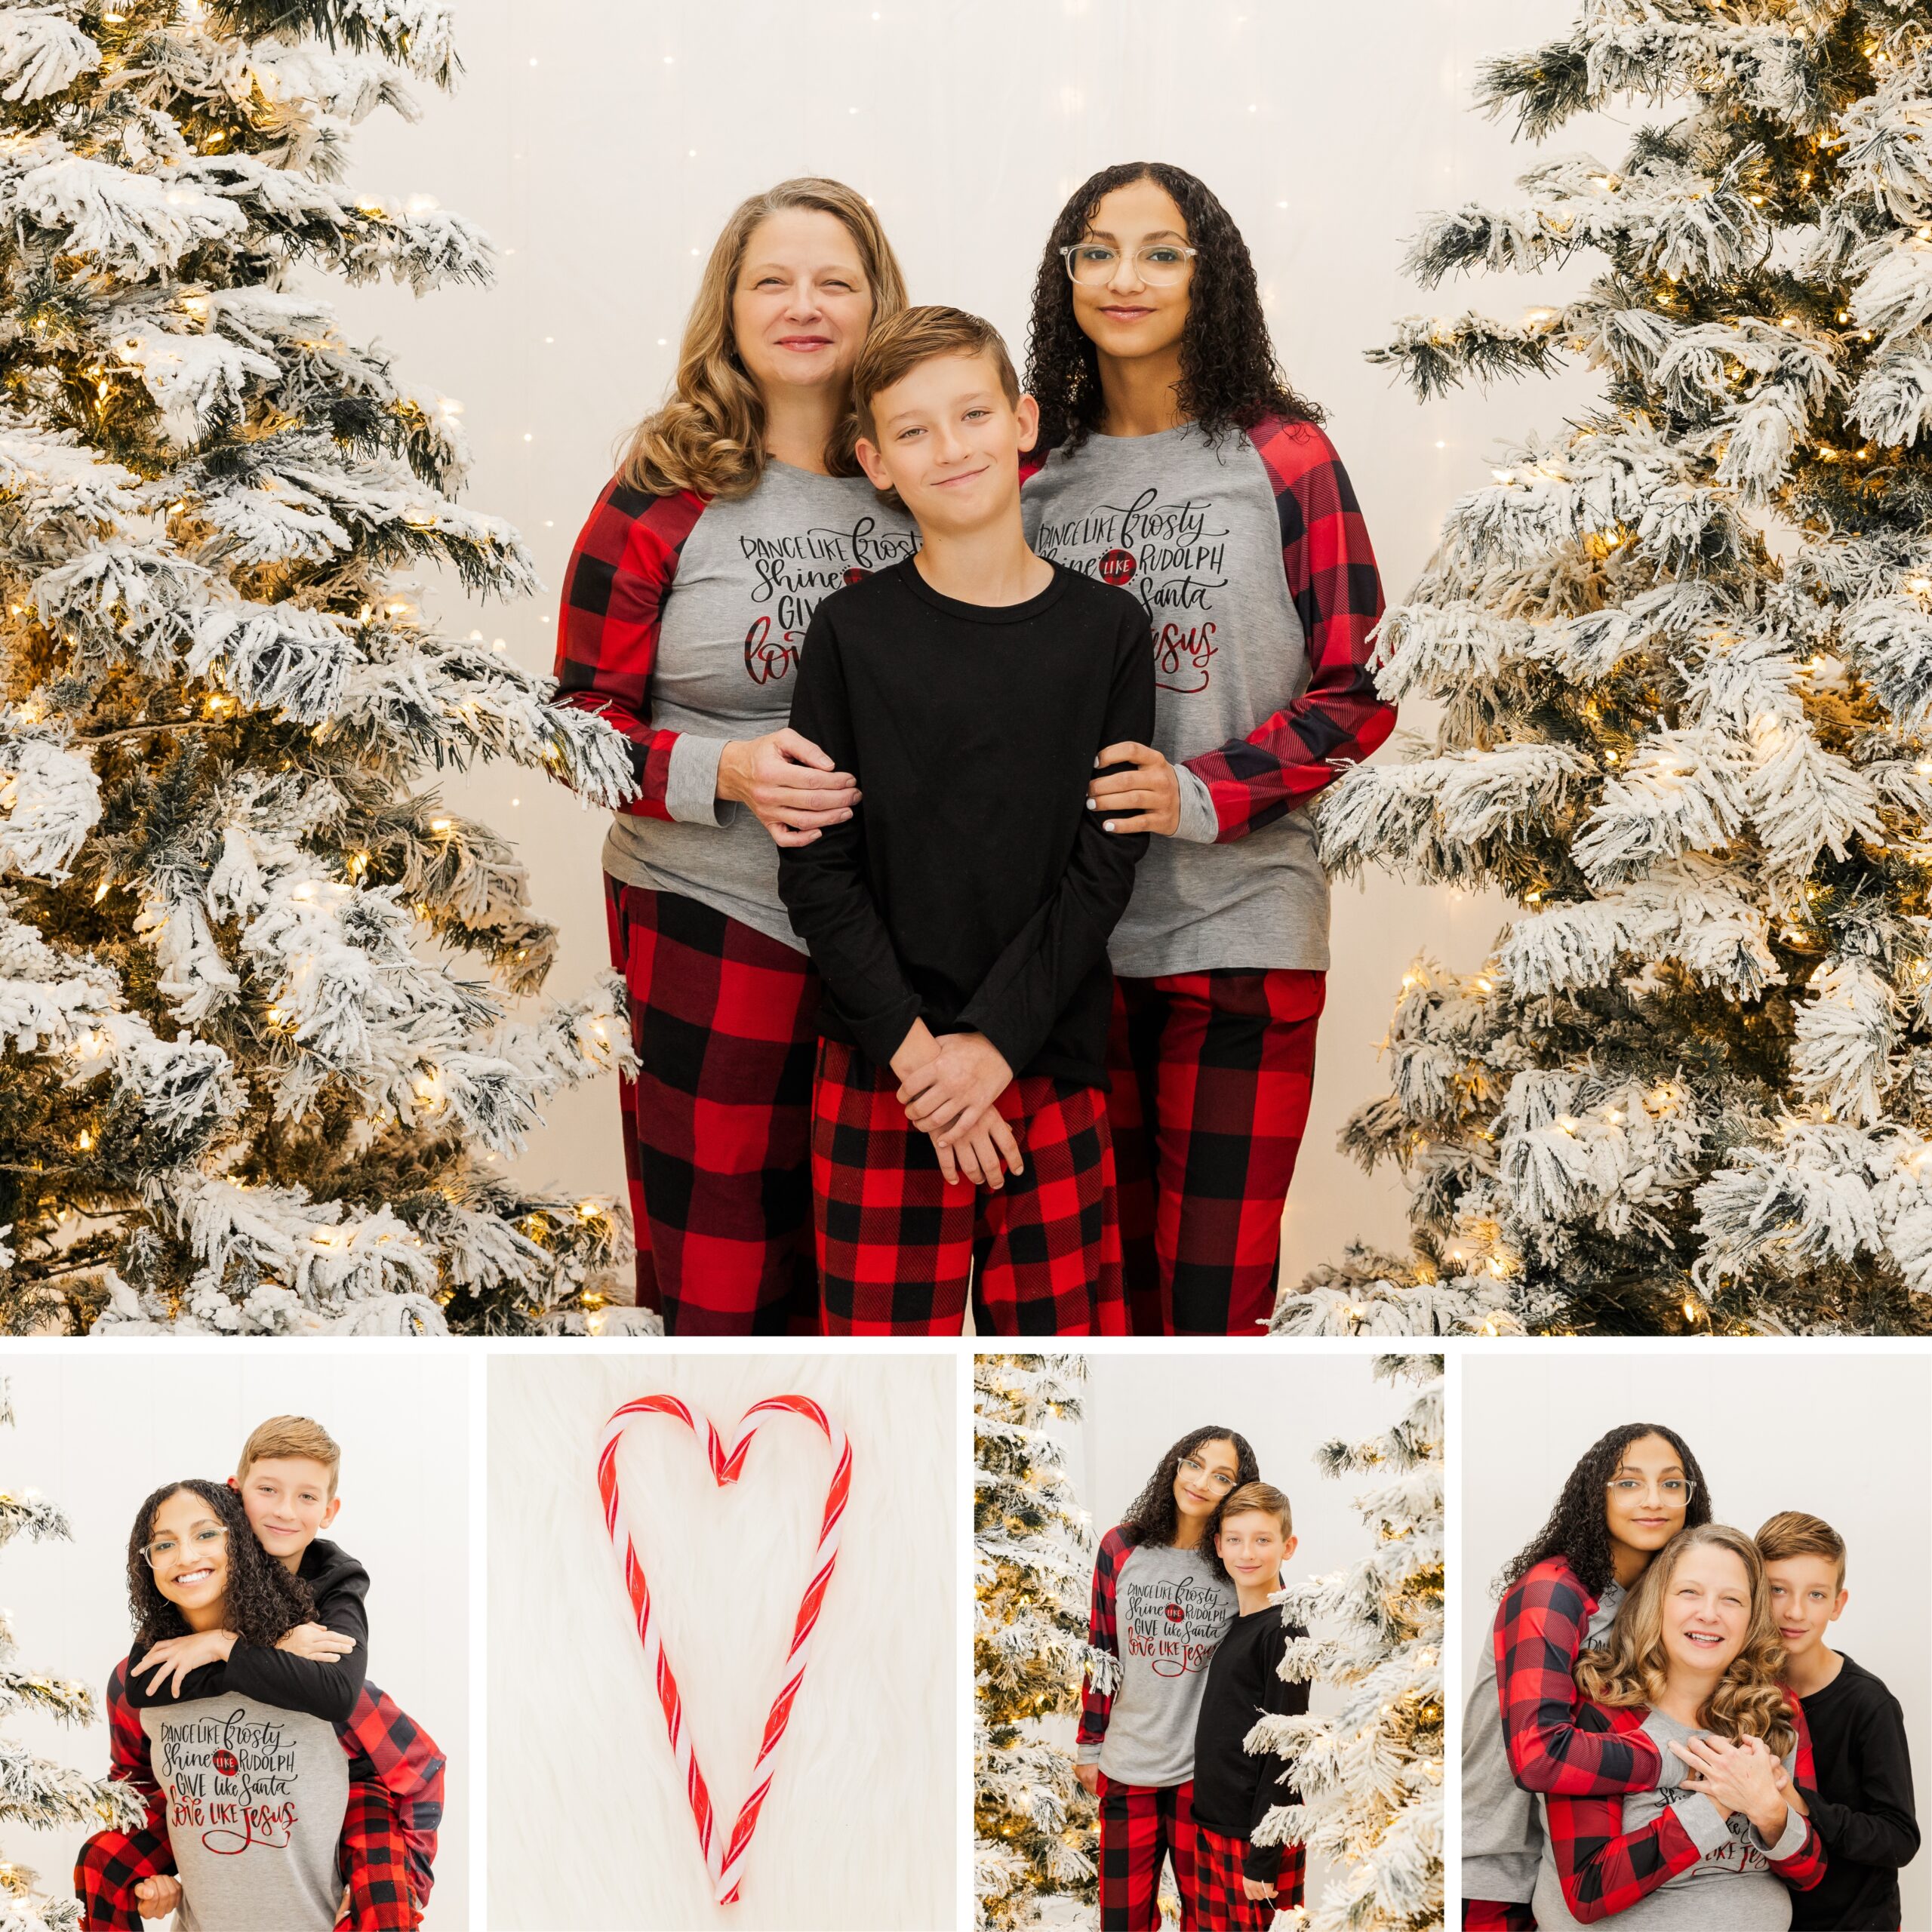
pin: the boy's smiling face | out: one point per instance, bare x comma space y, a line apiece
290, 1500
1806, 1595
947, 439
1253, 1548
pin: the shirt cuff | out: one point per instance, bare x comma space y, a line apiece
1703, 1823
1790, 1841
1199, 822
690, 786
1087, 1754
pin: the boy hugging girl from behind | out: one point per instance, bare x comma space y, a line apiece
283, 1789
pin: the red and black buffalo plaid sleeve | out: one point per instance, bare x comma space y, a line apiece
112, 1863
1497, 1915
1095, 1703
1540, 1631
620, 573
1337, 592
375, 1863
387, 1748
1605, 1869
1806, 1865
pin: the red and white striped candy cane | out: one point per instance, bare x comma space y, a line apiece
726, 1867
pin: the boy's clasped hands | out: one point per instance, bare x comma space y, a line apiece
949, 1085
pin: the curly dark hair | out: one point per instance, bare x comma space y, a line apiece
1578, 1527
1229, 378
1151, 1517
264, 1600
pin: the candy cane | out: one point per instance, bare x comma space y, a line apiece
727, 1466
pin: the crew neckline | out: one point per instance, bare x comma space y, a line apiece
907, 570
1179, 430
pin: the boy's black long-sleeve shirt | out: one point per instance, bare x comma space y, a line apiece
972, 888
1234, 1792
1862, 1807
340, 1585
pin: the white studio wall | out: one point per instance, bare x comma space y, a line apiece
601, 144
1841, 1436
590, 1826
95, 1436
1287, 1405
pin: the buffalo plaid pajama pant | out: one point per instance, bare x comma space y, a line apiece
373, 1855
1141, 1825
1212, 1074
1225, 1907
1496, 1915
717, 1124
898, 1246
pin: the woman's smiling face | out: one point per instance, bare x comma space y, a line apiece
187, 1550
1205, 1476
1706, 1608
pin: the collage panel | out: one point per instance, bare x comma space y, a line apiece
1208, 1641
1694, 1596
753, 1561
238, 1690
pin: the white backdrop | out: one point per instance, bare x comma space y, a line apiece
602, 142
95, 1435
1841, 1436
590, 1826
1287, 1405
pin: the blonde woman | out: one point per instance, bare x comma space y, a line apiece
1692, 1663
738, 506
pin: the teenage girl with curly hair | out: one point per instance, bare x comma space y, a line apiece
1693, 1664
1633, 1490
1177, 461
1162, 1602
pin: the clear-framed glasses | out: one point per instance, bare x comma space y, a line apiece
202, 1542
1160, 264
1677, 1490
1200, 1472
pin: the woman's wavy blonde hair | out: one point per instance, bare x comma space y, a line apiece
1628, 1673
709, 434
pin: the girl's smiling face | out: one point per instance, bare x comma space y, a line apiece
187, 1550
1706, 1609
1647, 1496
1203, 1476
1126, 315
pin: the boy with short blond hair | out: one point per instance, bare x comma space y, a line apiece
1862, 1807
960, 918
1241, 1885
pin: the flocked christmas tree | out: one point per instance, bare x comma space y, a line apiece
34, 1791
1370, 1773
244, 1086
1033, 1562
1683, 654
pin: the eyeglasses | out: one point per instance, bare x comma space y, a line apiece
205, 1541
1160, 264
1677, 1490
1200, 1472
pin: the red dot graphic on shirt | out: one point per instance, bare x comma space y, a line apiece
856, 576
1175, 1612
1117, 567
226, 1763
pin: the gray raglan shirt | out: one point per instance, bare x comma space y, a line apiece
1732, 1888
256, 1797
1196, 533
1171, 1607
743, 587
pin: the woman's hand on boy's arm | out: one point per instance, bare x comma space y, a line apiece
174, 1657
316, 1642
788, 783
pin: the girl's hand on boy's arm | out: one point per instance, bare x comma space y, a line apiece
965, 1074
1144, 799
316, 1642
174, 1657
155, 1898
788, 783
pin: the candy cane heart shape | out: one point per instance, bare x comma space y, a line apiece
724, 1862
